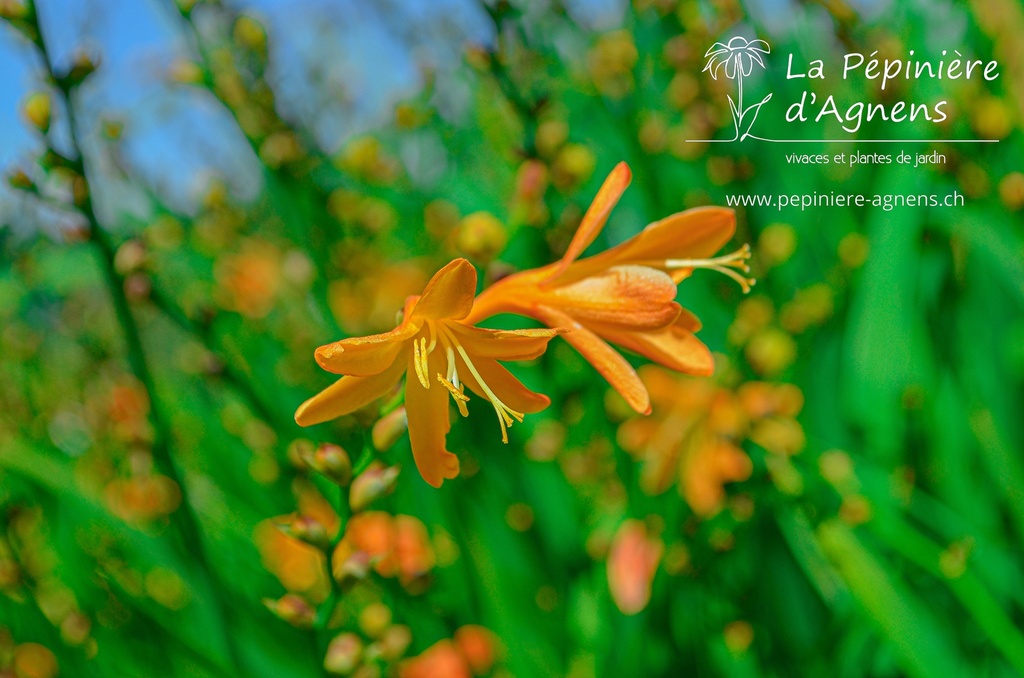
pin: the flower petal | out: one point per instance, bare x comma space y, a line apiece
612, 366
692, 234
674, 347
597, 214
639, 297
364, 356
730, 67
449, 294
503, 384
427, 410
688, 321
716, 48
503, 344
347, 395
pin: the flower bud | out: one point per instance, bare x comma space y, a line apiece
293, 609
185, 72
280, 148
300, 453
374, 619
481, 236
33, 659
10, 574
372, 484
367, 671
130, 256
37, 110
551, 135
353, 570
19, 179
1011, 190
82, 67
573, 165
776, 244
13, 9
249, 33
309, 530
394, 642
343, 654
389, 429
333, 463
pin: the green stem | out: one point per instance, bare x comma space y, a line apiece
186, 518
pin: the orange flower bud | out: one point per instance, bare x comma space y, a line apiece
333, 463
32, 660
389, 429
293, 609
352, 570
372, 484
309, 530
300, 453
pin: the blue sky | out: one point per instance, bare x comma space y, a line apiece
339, 65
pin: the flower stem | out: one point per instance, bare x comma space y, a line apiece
185, 517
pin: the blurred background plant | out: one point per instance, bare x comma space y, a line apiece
198, 194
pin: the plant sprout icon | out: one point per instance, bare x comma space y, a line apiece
737, 59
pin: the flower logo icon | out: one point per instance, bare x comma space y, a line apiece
736, 59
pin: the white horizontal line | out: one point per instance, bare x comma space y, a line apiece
849, 141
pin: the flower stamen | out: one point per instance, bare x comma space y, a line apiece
727, 264
460, 398
506, 415
419, 359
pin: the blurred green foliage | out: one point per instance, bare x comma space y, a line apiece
150, 368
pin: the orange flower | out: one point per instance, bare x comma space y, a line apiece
398, 546
440, 660
626, 295
632, 562
434, 345
695, 434
478, 646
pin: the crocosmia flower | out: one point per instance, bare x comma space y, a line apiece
626, 295
441, 356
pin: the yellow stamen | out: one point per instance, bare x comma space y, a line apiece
724, 264
460, 398
506, 415
419, 360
